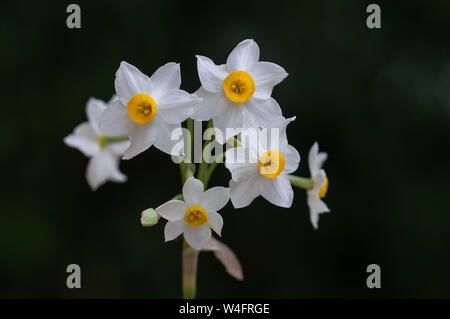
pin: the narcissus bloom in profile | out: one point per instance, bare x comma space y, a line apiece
87, 137
257, 169
148, 109
320, 180
196, 215
238, 93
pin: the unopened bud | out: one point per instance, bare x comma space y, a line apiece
149, 217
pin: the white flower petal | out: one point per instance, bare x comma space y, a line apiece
166, 78
232, 118
319, 181
215, 221
211, 75
212, 104
278, 191
283, 127
316, 207
192, 191
103, 167
240, 162
292, 158
263, 112
214, 199
172, 210
84, 139
266, 75
175, 106
227, 257
94, 109
244, 56
118, 148
197, 237
163, 132
142, 137
113, 99
281, 123
174, 229
115, 121
130, 81
316, 159
272, 136
244, 191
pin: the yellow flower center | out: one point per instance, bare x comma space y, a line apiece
141, 108
324, 189
196, 216
271, 164
239, 86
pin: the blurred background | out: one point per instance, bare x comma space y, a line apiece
378, 101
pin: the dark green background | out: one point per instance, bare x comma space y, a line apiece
378, 101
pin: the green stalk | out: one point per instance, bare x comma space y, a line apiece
105, 140
234, 143
302, 182
185, 170
204, 164
190, 127
212, 167
189, 272
189, 255
182, 170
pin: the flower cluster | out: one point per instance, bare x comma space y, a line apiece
236, 99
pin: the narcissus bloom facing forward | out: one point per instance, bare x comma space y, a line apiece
239, 92
320, 180
264, 171
87, 137
196, 215
148, 109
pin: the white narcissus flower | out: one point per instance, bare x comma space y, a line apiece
196, 215
259, 170
148, 109
238, 93
87, 137
320, 180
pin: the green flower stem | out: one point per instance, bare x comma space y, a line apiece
204, 164
189, 255
105, 140
187, 173
233, 142
185, 169
190, 127
115, 139
219, 159
302, 182
182, 170
189, 272
212, 167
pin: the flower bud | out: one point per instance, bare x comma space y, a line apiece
149, 217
